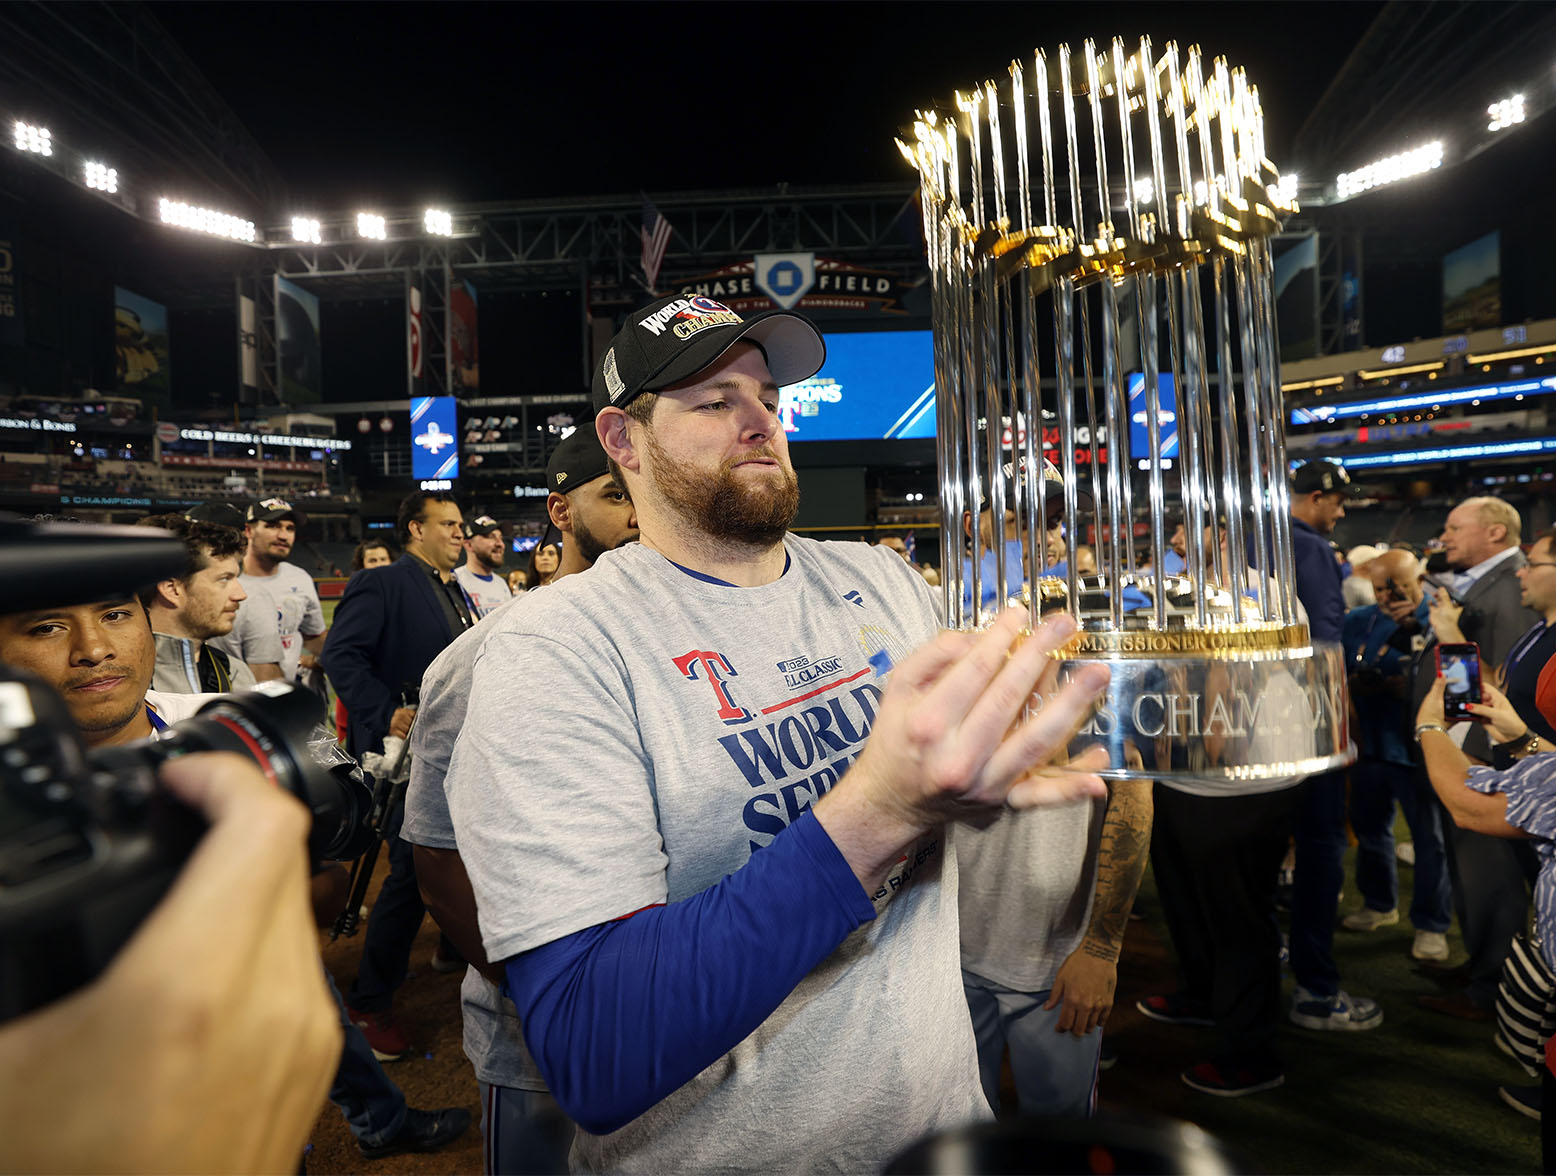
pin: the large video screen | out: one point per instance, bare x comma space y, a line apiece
1140, 418
434, 425
875, 385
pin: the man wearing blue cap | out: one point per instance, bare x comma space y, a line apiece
1319, 492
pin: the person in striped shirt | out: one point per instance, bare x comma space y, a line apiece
1516, 799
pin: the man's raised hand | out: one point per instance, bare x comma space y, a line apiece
951, 740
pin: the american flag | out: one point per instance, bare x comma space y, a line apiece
656, 238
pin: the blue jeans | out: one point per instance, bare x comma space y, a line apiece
1315, 897
392, 925
373, 1105
1055, 1073
1375, 786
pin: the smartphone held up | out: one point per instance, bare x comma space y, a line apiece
1458, 665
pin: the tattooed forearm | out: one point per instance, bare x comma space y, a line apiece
1121, 858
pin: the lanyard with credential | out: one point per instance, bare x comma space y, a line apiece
1525, 644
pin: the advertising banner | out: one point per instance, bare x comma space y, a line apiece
299, 354
1140, 420
142, 357
248, 342
413, 328
785, 277
1472, 285
12, 332
464, 367
837, 286
434, 441
240, 463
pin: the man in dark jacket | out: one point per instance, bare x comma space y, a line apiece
1319, 490
1480, 601
389, 625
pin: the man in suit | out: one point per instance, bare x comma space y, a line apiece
1480, 602
389, 625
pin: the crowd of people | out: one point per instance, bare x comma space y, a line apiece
716, 821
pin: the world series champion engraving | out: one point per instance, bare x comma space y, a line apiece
1097, 228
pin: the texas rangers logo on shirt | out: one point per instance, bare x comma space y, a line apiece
705, 665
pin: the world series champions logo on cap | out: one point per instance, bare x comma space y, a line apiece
698, 312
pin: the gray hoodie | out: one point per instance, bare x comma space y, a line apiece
182, 662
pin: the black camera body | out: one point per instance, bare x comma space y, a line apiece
89, 843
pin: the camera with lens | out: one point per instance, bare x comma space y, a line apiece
89, 842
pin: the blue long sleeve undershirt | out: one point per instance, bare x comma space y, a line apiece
621, 1014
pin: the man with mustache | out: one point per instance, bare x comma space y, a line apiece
280, 588
478, 576
721, 891
99, 657
389, 625
188, 611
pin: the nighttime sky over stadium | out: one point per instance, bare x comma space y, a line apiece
413, 103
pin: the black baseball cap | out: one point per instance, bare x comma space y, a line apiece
578, 460
482, 525
1053, 491
674, 338
1327, 477
273, 510
223, 514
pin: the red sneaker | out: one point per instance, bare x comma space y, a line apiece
1210, 1078
383, 1034
1173, 1008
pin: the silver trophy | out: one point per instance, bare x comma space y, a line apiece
1084, 218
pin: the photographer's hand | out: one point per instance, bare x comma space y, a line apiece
209, 1043
1402, 611
1445, 614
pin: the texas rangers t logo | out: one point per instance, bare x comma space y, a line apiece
700, 662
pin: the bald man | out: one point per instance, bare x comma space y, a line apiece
1491, 875
1383, 773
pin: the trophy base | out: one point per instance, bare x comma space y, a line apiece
1253, 720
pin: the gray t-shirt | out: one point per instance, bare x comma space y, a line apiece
291, 603
494, 1039
487, 593
634, 735
1025, 885
253, 637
